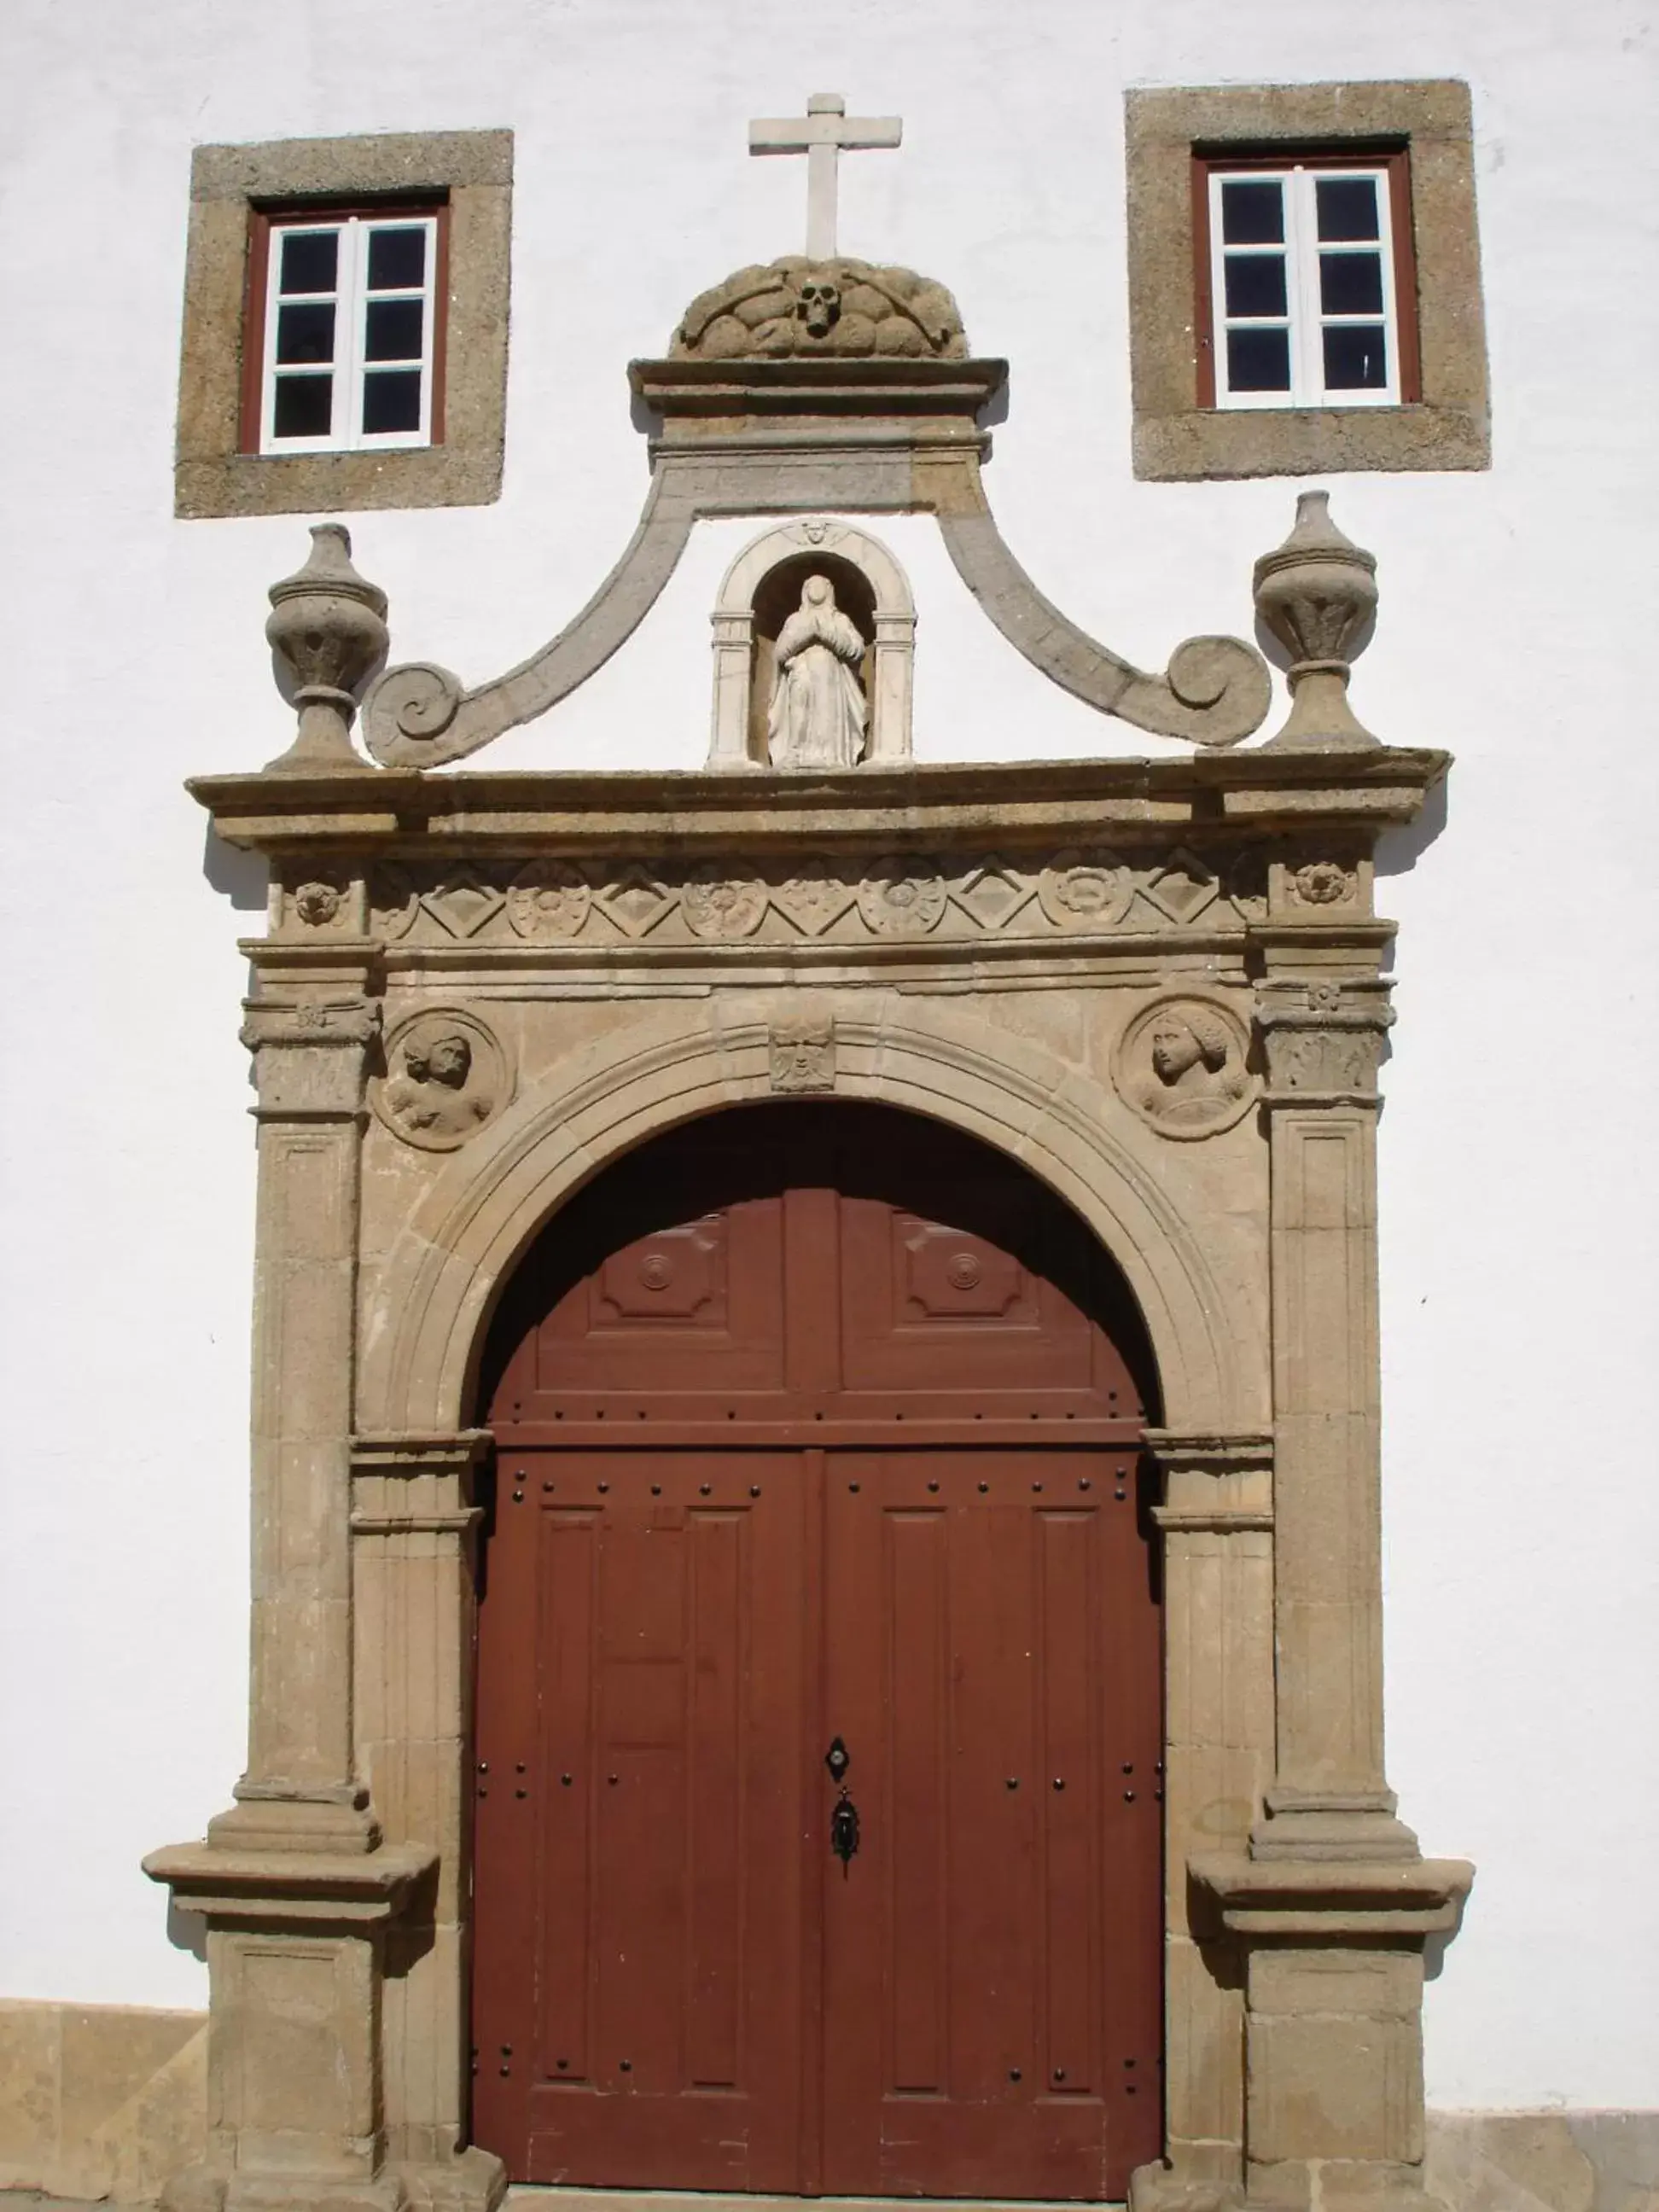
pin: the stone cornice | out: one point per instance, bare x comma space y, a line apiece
1010, 804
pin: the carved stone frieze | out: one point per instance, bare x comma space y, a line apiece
1182, 1065
447, 1075
1075, 892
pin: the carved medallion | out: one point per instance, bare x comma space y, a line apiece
721, 906
1085, 890
1182, 1065
548, 901
814, 897
901, 897
447, 1076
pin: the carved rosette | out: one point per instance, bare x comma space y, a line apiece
547, 902
721, 906
901, 897
1323, 1041
1089, 890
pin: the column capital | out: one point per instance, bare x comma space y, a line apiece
1213, 1484
1322, 1038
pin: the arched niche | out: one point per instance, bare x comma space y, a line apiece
762, 588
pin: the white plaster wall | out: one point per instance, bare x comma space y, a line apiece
1518, 1176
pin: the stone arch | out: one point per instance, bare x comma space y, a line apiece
894, 615
425, 1319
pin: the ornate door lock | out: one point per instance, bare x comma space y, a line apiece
844, 1830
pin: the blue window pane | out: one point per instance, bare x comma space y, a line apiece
310, 259
393, 329
1259, 361
1351, 284
305, 406
306, 333
392, 400
1347, 207
1255, 283
397, 260
1356, 357
1252, 213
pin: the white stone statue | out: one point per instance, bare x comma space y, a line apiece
817, 715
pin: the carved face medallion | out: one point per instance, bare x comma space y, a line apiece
1181, 1066
446, 1076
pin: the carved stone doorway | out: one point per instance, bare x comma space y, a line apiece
818, 1792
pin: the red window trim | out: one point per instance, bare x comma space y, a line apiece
1394, 158
262, 220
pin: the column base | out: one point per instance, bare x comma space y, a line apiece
1333, 2023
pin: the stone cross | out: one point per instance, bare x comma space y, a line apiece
821, 134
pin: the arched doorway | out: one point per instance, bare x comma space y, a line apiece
818, 1728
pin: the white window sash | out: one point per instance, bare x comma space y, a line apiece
1306, 320
351, 298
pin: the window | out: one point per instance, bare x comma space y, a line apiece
345, 325
1305, 280
1306, 291
344, 331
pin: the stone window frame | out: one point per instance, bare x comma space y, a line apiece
470, 172
1176, 439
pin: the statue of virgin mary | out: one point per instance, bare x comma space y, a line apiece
817, 717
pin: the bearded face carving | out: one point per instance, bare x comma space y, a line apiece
819, 307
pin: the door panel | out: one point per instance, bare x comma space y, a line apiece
641, 1808
677, 1984
991, 1996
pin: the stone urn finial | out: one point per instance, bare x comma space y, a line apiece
1316, 593
328, 627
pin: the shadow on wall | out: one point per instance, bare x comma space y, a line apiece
238, 875
1398, 851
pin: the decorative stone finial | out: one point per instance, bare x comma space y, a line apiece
328, 627
1315, 594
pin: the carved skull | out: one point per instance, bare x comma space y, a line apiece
819, 307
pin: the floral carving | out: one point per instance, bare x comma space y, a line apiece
1085, 890
722, 906
1181, 1066
447, 1076
900, 898
1321, 882
319, 903
548, 901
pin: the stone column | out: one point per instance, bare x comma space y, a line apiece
1216, 1524
890, 687
1333, 1903
294, 1882
728, 736
413, 1522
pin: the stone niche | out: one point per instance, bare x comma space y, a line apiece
762, 588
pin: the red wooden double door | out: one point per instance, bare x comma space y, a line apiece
817, 1834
